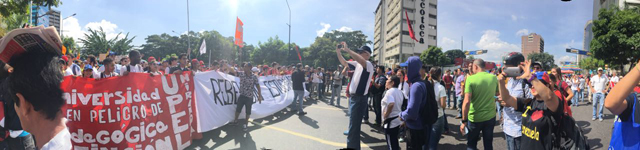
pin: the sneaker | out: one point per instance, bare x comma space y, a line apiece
302, 113
365, 121
244, 127
400, 139
600, 119
593, 119
346, 132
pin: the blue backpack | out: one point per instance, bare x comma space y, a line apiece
626, 134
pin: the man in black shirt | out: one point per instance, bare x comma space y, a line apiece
537, 113
379, 84
297, 77
182, 66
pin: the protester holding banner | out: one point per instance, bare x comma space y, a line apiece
134, 65
109, 69
154, 68
172, 62
38, 98
360, 83
248, 82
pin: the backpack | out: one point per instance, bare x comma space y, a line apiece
430, 109
568, 135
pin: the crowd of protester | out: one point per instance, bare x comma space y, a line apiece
408, 100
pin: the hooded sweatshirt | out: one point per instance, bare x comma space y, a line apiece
417, 94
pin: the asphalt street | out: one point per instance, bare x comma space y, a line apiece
322, 128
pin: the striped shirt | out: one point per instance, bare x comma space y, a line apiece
361, 79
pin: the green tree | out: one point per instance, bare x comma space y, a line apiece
71, 45
354, 39
434, 57
96, 42
323, 52
10, 7
453, 54
616, 36
591, 63
545, 59
274, 50
10, 22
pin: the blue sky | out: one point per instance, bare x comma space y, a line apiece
495, 25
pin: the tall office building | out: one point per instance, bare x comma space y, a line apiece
588, 36
42, 15
392, 44
532, 43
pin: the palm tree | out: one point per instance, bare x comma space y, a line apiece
96, 42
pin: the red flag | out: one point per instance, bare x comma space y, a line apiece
298, 54
239, 32
413, 36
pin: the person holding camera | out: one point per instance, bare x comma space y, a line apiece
360, 83
537, 112
517, 87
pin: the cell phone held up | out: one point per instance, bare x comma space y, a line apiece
513, 71
339, 46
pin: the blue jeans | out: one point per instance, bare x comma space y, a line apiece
575, 99
358, 105
298, 97
486, 127
512, 143
581, 95
436, 131
460, 99
499, 109
449, 99
335, 93
598, 98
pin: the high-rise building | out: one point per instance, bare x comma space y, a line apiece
588, 36
43, 15
532, 43
392, 43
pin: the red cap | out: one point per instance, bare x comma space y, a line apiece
265, 66
545, 77
65, 58
201, 62
194, 60
151, 58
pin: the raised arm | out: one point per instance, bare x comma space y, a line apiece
353, 55
615, 101
340, 57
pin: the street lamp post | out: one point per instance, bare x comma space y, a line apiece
289, 45
61, 26
188, 38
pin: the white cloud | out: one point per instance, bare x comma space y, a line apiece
514, 17
522, 32
325, 28
496, 48
109, 28
447, 43
71, 28
345, 29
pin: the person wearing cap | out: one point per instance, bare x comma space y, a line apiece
360, 83
598, 88
297, 79
537, 112
517, 87
67, 69
195, 65
87, 72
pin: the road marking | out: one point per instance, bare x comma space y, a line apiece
336, 144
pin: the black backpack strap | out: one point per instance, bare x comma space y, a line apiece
128, 68
524, 93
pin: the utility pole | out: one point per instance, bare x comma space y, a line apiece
289, 45
188, 33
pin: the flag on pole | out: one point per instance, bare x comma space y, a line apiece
299, 57
413, 36
239, 32
203, 47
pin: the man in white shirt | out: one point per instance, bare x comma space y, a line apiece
391, 103
316, 79
134, 66
38, 98
614, 79
109, 68
598, 88
358, 88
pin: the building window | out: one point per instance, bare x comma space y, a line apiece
432, 27
407, 44
432, 37
405, 32
433, 6
432, 16
409, 10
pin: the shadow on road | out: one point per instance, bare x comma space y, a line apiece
595, 143
311, 122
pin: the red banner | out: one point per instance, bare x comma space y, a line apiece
136, 111
239, 32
